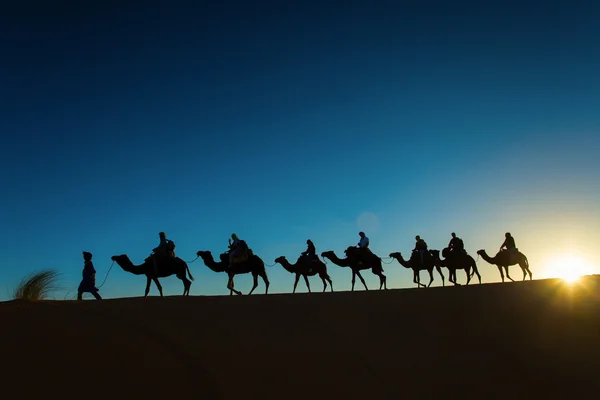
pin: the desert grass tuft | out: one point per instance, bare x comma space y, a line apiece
37, 286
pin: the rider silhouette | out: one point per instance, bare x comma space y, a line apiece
310, 254
456, 244
509, 243
420, 247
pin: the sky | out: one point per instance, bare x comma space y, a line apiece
284, 121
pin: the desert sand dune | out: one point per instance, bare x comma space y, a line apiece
538, 339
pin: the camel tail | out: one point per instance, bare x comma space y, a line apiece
474, 269
187, 268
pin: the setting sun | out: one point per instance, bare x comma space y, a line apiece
569, 268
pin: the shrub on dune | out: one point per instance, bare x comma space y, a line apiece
37, 286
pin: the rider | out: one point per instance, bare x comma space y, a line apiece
162, 249
363, 244
310, 253
456, 244
420, 247
88, 281
509, 243
235, 249
364, 241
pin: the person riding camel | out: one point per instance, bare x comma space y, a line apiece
364, 241
164, 248
310, 254
363, 245
311, 251
420, 247
456, 245
509, 243
236, 247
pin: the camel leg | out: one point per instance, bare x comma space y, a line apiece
430, 276
382, 281
353, 279
529, 272
296, 282
328, 279
148, 282
254, 283
501, 273
158, 285
468, 273
362, 280
507, 275
307, 283
186, 286
322, 276
230, 286
265, 279
524, 273
417, 279
439, 270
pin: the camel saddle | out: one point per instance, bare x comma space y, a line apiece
161, 256
309, 259
363, 255
242, 257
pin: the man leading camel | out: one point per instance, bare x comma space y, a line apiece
88, 281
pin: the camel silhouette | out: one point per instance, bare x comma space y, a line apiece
356, 265
253, 264
454, 262
166, 266
414, 263
301, 268
502, 260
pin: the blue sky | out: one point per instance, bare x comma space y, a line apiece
293, 120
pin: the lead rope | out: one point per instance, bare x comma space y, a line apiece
106, 277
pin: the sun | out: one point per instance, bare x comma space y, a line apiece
568, 267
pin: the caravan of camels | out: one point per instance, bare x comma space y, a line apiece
240, 259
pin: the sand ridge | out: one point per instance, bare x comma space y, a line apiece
518, 340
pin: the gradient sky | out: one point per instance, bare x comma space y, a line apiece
293, 120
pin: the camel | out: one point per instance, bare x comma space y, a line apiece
301, 268
356, 265
417, 267
454, 262
253, 264
167, 266
502, 260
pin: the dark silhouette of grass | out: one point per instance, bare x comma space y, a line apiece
37, 286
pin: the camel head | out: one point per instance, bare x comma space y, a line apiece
118, 259
396, 255
480, 252
201, 253
280, 260
328, 253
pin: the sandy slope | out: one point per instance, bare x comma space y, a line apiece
513, 340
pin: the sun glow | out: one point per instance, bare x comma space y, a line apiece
569, 268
